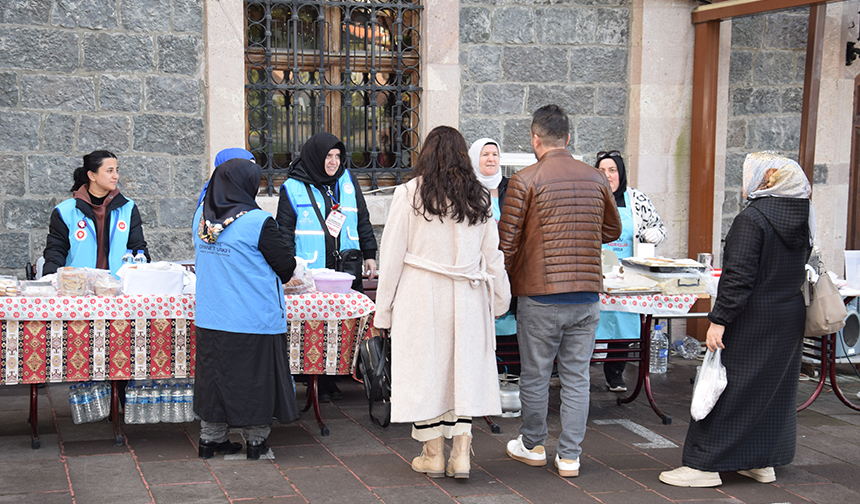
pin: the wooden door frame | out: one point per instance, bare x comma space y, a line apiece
852, 236
703, 145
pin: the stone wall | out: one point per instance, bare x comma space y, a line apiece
80, 75
517, 56
766, 70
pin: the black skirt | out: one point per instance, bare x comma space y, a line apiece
243, 379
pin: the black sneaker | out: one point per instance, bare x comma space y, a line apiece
616, 385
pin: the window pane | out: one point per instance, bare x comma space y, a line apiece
349, 68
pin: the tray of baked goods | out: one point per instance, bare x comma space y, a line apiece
664, 265
672, 276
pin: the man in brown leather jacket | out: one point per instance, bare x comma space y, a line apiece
558, 212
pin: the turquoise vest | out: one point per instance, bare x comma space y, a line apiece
237, 291
83, 244
310, 238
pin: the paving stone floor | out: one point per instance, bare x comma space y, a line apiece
625, 449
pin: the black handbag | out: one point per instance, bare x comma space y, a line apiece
351, 261
374, 363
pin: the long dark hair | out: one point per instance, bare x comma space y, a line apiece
448, 184
92, 162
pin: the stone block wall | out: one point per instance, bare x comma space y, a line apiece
766, 70
517, 56
80, 75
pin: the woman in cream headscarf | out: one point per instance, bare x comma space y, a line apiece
484, 154
758, 320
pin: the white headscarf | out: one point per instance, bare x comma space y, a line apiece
489, 181
767, 173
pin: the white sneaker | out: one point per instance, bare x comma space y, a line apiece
688, 477
567, 468
762, 475
517, 450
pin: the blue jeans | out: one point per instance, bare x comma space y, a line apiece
565, 333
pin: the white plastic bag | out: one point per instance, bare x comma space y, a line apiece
710, 383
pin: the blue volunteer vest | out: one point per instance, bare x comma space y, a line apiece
83, 244
310, 237
613, 324
237, 290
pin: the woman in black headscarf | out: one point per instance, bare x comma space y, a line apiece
319, 177
321, 190
640, 224
242, 373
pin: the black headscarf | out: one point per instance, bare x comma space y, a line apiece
622, 178
231, 193
310, 165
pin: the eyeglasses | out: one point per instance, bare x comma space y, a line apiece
605, 154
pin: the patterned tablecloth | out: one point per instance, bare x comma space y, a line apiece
39, 351
67, 339
653, 304
97, 307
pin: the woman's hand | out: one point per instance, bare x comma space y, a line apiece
652, 235
714, 339
370, 268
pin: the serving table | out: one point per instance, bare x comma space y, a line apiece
649, 307
324, 332
824, 348
73, 339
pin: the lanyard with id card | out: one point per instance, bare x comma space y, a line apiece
335, 220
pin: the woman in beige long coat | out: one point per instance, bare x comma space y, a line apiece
442, 281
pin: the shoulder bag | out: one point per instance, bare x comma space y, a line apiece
825, 310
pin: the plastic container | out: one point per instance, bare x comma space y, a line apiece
659, 356
852, 268
132, 408
128, 257
333, 281
687, 347
139, 258
76, 404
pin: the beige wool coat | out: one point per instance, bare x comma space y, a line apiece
440, 286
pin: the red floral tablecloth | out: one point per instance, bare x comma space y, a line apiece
328, 306
97, 307
67, 339
653, 304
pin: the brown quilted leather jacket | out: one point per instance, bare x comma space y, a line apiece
558, 212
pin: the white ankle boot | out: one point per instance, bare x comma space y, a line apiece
432, 460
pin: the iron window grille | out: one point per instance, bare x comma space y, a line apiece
349, 68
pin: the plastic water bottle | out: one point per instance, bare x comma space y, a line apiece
166, 402
139, 258
87, 400
688, 347
148, 414
76, 404
128, 257
101, 401
175, 405
659, 351
188, 402
132, 408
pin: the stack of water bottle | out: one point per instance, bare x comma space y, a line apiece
659, 350
153, 401
134, 257
89, 401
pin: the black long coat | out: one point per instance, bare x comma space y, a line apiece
759, 300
